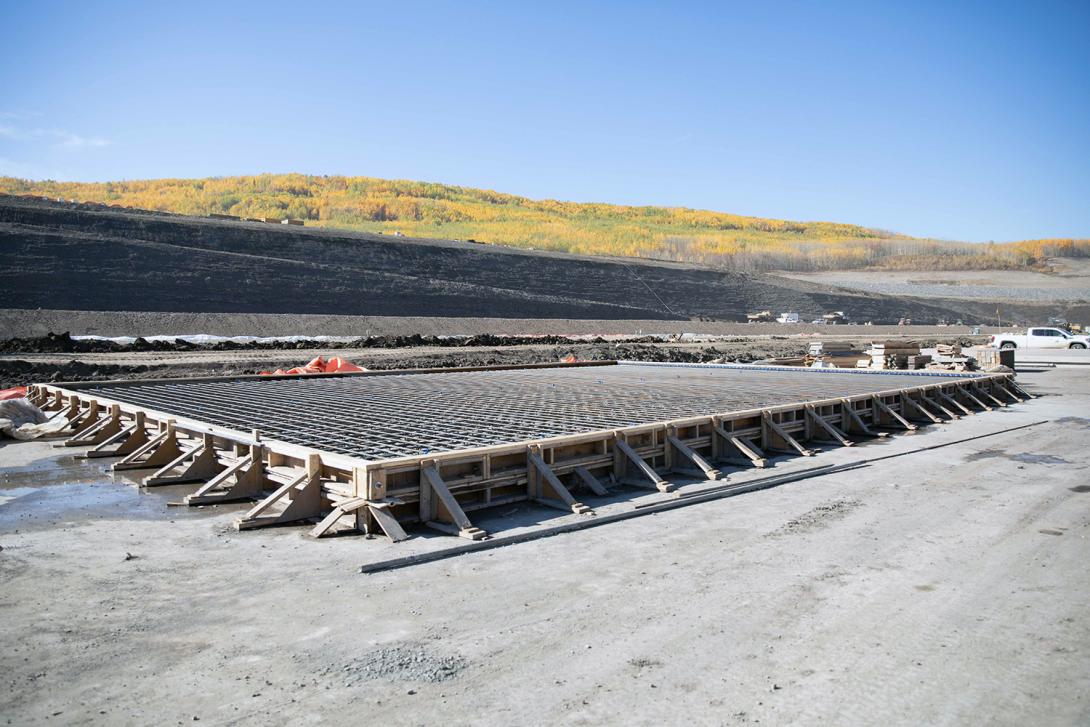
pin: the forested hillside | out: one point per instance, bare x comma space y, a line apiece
422, 209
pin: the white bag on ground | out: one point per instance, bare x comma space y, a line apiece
19, 419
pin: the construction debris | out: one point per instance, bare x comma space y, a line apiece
318, 365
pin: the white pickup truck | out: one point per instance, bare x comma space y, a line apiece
1039, 338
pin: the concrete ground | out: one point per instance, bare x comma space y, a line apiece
945, 586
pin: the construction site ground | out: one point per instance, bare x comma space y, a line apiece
33, 365
945, 586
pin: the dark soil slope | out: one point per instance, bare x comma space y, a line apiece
87, 257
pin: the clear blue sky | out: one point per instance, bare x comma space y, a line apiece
959, 120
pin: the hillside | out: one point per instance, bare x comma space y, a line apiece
85, 257
421, 209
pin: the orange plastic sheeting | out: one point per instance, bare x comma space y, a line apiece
318, 365
17, 392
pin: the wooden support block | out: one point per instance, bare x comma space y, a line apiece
592, 482
645, 469
783, 434
828, 428
706, 470
467, 533
565, 498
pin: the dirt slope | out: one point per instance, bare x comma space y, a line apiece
68, 256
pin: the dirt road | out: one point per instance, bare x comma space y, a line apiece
941, 587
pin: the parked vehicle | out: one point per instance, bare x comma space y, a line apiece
788, 318
1039, 338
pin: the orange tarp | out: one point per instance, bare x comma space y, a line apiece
17, 392
318, 365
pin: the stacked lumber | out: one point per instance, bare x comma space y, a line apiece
836, 353
817, 348
919, 361
945, 349
892, 354
956, 366
987, 357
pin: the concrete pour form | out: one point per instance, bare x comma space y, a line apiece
378, 450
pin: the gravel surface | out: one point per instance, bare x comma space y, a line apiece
404, 662
955, 593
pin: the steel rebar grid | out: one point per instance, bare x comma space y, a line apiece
386, 417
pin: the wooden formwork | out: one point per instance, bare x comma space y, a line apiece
290, 483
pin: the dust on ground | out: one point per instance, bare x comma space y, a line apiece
819, 517
407, 661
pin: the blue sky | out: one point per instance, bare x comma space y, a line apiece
958, 120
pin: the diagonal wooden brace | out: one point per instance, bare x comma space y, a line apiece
657, 483
686, 451
910, 403
744, 445
951, 401
444, 508
989, 395
1019, 390
829, 429
592, 482
564, 499
968, 394
853, 423
784, 435
250, 480
884, 409
203, 467
342, 508
155, 453
936, 405
131, 438
1004, 387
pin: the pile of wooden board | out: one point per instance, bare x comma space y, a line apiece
987, 357
895, 355
836, 353
945, 349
